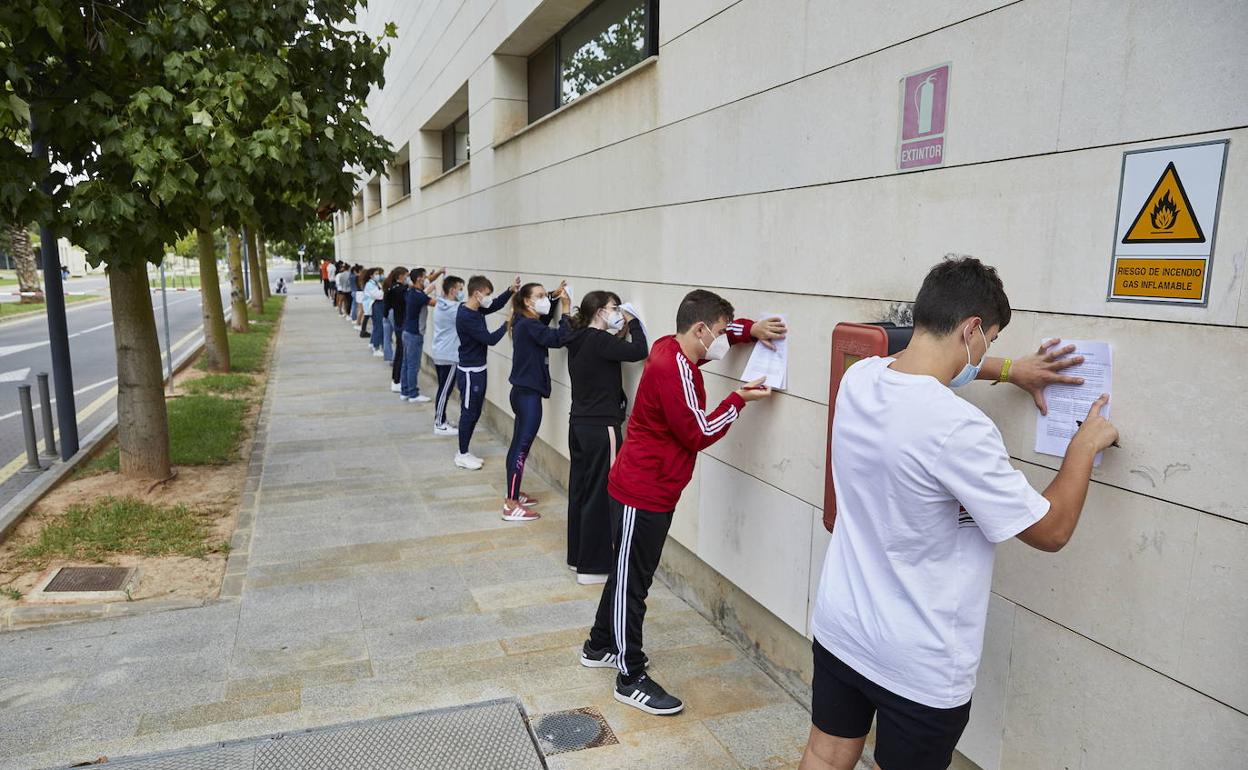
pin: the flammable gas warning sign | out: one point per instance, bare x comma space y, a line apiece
1168, 203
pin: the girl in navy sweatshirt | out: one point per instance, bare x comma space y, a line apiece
531, 339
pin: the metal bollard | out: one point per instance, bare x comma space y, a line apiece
45, 404
28, 426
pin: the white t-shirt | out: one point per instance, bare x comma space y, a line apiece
924, 491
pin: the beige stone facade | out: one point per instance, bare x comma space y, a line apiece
755, 155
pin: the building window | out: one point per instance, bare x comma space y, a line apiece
606, 39
455, 147
405, 178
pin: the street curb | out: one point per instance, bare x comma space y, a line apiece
15, 509
33, 313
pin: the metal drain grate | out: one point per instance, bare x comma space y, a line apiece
563, 731
484, 736
88, 579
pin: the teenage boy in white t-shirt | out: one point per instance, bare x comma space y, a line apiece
925, 491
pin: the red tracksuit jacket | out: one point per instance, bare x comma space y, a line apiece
669, 425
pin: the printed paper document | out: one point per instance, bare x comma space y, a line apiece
1068, 404
770, 364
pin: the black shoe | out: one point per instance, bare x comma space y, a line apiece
591, 657
647, 695
594, 658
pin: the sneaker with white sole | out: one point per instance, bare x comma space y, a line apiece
378, 353
648, 695
526, 500
519, 513
422, 399
445, 430
591, 578
468, 462
395, 388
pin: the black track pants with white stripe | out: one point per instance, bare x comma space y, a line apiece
637, 537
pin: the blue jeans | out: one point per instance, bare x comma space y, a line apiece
409, 376
374, 339
387, 336
527, 404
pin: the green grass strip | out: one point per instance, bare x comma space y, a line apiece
113, 525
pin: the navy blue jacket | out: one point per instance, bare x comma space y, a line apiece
530, 339
414, 310
474, 336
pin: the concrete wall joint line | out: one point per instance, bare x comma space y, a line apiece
1179, 682
757, 193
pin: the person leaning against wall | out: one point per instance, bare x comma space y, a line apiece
603, 337
925, 491
669, 426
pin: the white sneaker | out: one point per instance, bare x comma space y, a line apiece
355, 326
378, 353
445, 430
422, 399
394, 388
468, 462
589, 579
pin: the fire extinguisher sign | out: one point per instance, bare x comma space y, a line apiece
924, 102
1168, 200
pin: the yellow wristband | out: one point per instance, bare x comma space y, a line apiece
1005, 370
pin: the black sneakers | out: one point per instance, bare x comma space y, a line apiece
592, 657
647, 695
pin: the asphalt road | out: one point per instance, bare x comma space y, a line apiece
24, 352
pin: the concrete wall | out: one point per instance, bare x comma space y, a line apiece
755, 156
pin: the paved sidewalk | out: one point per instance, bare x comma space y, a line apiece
373, 578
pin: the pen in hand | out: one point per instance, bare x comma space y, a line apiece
1079, 423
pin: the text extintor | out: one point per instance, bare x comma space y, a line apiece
924, 99
1168, 202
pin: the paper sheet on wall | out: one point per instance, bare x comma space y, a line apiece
773, 365
632, 310
1068, 404
571, 299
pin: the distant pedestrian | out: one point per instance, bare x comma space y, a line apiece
372, 310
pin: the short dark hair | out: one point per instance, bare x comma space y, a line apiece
451, 280
417, 273
702, 306
477, 283
956, 289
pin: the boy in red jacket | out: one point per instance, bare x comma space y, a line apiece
668, 427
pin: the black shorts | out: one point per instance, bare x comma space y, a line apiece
908, 735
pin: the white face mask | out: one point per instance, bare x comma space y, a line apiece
717, 349
615, 320
485, 299
541, 305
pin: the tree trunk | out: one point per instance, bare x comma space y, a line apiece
142, 420
24, 260
216, 344
238, 303
253, 262
264, 264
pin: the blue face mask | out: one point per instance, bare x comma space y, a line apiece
970, 371
461, 295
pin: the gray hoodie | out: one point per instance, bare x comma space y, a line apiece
445, 338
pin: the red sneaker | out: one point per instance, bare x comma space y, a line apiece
519, 513
526, 500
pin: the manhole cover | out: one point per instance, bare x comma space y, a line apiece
88, 579
564, 731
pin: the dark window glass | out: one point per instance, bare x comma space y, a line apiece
405, 178
455, 148
605, 40
543, 97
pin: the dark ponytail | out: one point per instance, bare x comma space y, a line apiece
518, 308
591, 303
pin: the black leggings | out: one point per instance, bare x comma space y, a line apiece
396, 368
593, 449
446, 383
